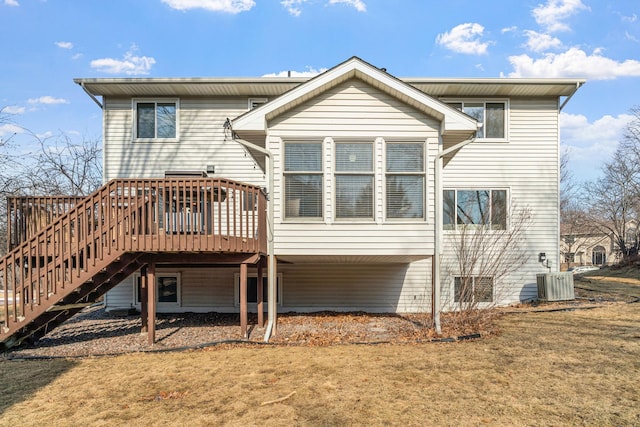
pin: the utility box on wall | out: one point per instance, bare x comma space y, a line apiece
555, 286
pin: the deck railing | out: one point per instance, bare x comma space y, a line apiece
132, 215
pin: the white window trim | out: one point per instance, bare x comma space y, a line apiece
321, 173
334, 187
424, 173
134, 115
178, 303
259, 101
507, 109
457, 228
236, 288
473, 303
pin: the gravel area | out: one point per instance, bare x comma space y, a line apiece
95, 331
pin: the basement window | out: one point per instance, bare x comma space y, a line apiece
473, 289
252, 289
167, 289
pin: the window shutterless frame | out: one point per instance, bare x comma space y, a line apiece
156, 120
303, 180
405, 180
492, 113
475, 208
168, 290
354, 181
252, 289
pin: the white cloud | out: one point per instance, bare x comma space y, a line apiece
574, 63
11, 3
10, 129
509, 29
551, 14
226, 6
591, 144
539, 42
293, 6
13, 109
64, 45
632, 18
48, 100
357, 4
130, 64
630, 37
309, 72
464, 38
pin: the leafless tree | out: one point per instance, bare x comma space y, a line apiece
57, 166
568, 186
482, 260
65, 167
614, 199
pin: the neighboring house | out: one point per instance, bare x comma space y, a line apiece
360, 169
594, 245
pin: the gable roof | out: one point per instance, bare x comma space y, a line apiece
452, 120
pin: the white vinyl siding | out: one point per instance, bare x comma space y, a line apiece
528, 168
202, 142
353, 112
380, 287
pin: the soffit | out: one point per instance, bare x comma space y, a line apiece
275, 86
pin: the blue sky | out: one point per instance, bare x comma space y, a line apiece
47, 43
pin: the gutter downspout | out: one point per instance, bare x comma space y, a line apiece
578, 86
92, 96
271, 279
437, 241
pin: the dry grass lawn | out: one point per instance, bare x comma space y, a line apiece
577, 367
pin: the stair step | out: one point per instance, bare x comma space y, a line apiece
69, 306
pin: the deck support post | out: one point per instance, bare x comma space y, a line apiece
243, 300
151, 302
144, 295
260, 301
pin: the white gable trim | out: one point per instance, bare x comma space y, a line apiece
452, 120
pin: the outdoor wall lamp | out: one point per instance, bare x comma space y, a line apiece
542, 259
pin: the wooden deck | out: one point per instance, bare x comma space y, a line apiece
67, 251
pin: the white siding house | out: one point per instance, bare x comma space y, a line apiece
360, 163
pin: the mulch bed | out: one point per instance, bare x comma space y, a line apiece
95, 331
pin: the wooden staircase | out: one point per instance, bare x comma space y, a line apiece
67, 264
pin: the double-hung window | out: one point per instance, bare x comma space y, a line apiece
303, 180
475, 208
354, 180
405, 180
156, 120
492, 115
